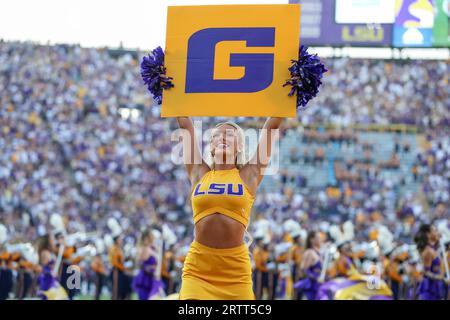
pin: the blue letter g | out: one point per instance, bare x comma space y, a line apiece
200, 60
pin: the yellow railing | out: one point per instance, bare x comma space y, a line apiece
402, 128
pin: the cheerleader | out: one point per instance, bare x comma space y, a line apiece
218, 263
311, 266
432, 286
147, 262
49, 287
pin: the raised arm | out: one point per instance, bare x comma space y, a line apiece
192, 157
253, 172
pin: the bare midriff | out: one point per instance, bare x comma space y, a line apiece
219, 231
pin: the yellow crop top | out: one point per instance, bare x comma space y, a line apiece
222, 191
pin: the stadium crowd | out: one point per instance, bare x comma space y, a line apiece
80, 137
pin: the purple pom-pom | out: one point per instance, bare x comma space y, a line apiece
154, 75
306, 75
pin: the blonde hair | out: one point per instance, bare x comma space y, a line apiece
240, 160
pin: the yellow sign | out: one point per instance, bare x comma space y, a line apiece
231, 60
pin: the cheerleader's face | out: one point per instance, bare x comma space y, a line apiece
433, 236
149, 239
316, 241
224, 143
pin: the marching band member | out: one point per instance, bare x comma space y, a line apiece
166, 262
24, 278
296, 254
311, 266
344, 264
260, 272
67, 251
99, 270
147, 262
447, 248
260, 256
167, 268
26, 267
396, 272
414, 273
443, 227
129, 255
284, 272
116, 258
296, 235
342, 236
218, 265
98, 267
432, 285
385, 240
273, 272
180, 257
6, 274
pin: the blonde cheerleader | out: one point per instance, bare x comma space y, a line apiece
217, 265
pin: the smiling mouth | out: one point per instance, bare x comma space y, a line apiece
222, 145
